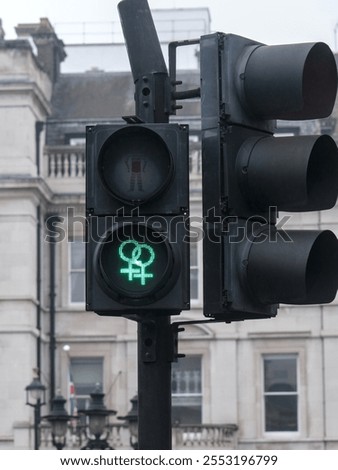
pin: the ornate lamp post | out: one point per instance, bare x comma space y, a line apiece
97, 414
36, 397
132, 420
58, 419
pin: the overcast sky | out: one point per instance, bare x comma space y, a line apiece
267, 21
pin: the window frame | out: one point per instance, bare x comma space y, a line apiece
195, 301
192, 394
97, 360
195, 154
71, 302
281, 355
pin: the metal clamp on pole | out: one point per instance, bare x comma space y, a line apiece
179, 95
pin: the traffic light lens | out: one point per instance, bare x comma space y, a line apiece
321, 269
322, 174
135, 165
136, 263
319, 81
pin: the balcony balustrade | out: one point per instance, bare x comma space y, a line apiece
189, 437
64, 168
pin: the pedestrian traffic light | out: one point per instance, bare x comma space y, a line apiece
137, 203
251, 262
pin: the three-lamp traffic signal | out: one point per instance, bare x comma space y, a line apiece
137, 202
250, 264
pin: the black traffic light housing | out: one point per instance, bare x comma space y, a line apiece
137, 202
262, 83
141, 166
250, 263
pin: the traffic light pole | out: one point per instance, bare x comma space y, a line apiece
149, 70
154, 383
155, 337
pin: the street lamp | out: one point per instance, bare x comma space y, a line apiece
36, 397
58, 419
97, 414
132, 420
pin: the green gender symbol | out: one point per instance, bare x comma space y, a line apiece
131, 252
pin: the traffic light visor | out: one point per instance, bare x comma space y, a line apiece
295, 174
296, 267
292, 81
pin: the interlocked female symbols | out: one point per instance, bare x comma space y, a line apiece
138, 257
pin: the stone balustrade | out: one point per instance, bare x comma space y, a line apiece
64, 168
198, 436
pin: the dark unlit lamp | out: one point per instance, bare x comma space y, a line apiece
132, 420
97, 414
36, 397
35, 393
58, 418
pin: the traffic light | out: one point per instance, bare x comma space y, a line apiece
137, 204
251, 264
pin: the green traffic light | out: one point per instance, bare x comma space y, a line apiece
138, 257
137, 202
134, 263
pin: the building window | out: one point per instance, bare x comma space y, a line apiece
76, 140
77, 271
85, 373
187, 391
195, 155
281, 393
194, 292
